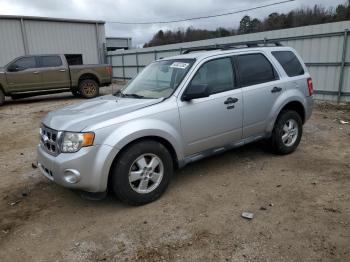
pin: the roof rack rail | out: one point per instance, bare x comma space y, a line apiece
204, 48
251, 44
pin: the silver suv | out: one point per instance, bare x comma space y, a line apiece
176, 111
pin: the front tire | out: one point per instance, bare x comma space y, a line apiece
142, 172
287, 132
88, 88
2, 97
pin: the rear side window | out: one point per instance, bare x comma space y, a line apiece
289, 62
255, 69
50, 61
217, 74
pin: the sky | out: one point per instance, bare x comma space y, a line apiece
151, 10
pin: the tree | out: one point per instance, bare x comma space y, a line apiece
298, 17
244, 25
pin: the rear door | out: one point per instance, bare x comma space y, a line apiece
55, 73
216, 120
23, 75
261, 86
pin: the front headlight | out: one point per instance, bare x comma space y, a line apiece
72, 142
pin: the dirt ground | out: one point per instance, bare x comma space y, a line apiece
301, 202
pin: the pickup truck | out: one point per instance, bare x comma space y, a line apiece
42, 74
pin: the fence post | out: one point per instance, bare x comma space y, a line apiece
123, 65
341, 74
137, 62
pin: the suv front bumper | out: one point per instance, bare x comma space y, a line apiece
87, 169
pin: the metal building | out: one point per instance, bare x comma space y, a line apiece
325, 48
115, 43
24, 35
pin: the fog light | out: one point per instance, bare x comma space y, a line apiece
71, 176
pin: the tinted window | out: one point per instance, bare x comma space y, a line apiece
24, 63
289, 62
50, 61
255, 69
217, 74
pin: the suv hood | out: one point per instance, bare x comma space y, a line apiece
79, 116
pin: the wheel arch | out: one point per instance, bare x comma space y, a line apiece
296, 106
91, 76
158, 139
289, 100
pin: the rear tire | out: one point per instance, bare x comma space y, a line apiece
2, 97
142, 172
287, 132
88, 88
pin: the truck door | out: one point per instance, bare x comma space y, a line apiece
55, 73
23, 75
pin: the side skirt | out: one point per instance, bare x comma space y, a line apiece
218, 150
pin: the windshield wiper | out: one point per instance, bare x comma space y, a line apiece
132, 95
119, 93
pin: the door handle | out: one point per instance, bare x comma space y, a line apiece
62, 70
231, 100
36, 72
276, 89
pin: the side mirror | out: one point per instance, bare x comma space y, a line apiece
195, 91
13, 68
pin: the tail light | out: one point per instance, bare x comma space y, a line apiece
109, 70
310, 86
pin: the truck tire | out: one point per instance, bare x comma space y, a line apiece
142, 172
88, 88
2, 97
287, 132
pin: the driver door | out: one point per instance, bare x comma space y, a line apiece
23, 75
216, 120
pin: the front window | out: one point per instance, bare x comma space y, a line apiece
159, 79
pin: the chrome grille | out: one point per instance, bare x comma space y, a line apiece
49, 140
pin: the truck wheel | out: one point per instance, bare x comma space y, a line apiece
2, 97
88, 88
76, 93
287, 132
142, 172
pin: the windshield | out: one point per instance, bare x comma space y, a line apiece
159, 79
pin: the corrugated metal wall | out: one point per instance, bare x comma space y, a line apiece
118, 42
321, 47
11, 42
45, 37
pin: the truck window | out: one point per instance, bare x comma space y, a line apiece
217, 74
50, 61
255, 69
289, 62
74, 59
23, 64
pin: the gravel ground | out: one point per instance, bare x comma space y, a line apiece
301, 202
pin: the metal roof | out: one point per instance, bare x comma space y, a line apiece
52, 19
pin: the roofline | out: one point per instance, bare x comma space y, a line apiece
116, 37
51, 19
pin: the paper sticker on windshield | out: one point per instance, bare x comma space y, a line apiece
179, 65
